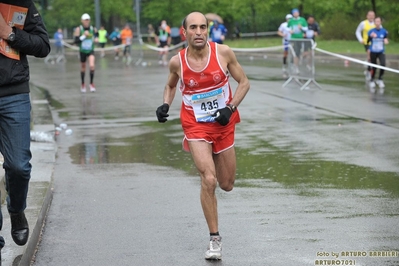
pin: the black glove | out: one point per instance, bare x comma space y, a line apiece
223, 115
162, 113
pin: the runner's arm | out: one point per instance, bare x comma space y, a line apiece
386, 38
169, 40
77, 35
237, 73
304, 25
280, 31
173, 78
95, 35
358, 32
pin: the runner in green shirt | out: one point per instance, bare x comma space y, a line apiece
298, 26
85, 36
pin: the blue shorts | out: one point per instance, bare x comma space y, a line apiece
286, 44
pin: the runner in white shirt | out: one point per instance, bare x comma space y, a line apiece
285, 32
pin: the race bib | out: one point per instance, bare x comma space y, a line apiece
205, 104
87, 44
378, 45
128, 41
217, 34
296, 29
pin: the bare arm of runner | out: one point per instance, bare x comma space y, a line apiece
236, 72
170, 89
173, 78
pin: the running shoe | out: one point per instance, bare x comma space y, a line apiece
295, 70
367, 74
83, 88
285, 73
214, 251
92, 88
372, 86
381, 91
380, 83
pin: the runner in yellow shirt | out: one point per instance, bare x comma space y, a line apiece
102, 39
361, 35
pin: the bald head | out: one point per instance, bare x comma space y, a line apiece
194, 16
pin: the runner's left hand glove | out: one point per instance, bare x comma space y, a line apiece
223, 115
162, 113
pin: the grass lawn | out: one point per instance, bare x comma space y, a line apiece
335, 46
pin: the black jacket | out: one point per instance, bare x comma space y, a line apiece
32, 40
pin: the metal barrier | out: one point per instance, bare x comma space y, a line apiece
57, 54
301, 67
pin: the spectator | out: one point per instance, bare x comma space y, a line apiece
310, 34
298, 26
59, 42
15, 110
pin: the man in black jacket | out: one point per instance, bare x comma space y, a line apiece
25, 34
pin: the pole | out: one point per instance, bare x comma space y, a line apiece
98, 13
138, 19
141, 56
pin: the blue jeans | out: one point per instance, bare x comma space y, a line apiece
15, 147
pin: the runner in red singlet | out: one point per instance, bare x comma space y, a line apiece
208, 114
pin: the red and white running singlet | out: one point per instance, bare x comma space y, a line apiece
204, 92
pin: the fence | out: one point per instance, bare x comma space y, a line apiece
301, 66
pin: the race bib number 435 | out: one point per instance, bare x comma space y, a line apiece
205, 104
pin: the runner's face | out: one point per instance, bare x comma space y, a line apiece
197, 31
370, 16
377, 23
86, 23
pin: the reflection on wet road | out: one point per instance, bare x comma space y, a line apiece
264, 161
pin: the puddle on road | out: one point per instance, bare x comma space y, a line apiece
163, 147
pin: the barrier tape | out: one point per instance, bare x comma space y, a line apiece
357, 60
171, 48
76, 48
262, 49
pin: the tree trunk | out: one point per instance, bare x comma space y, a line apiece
373, 5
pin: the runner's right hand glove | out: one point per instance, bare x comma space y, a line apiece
162, 113
223, 115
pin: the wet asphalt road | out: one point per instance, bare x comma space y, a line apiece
317, 173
